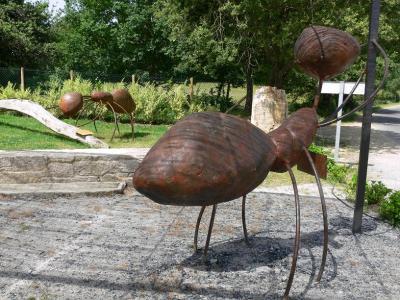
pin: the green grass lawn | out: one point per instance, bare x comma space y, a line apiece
25, 133
236, 93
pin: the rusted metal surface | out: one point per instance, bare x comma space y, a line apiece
71, 103
102, 97
296, 131
320, 162
119, 101
205, 159
122, 102
324, 52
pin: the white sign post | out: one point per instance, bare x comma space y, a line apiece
342, 88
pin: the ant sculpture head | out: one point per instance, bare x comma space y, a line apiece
324, 52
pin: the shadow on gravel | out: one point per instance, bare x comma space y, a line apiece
235, 255
140, 285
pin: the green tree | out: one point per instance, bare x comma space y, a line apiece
26, 36
107, 36
257, 36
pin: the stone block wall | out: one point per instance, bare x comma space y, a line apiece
32, 167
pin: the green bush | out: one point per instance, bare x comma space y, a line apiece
375, 192
351, 187
154, 104
390, 209
336, 173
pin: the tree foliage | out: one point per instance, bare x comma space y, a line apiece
105, 36
26, 36
227, 41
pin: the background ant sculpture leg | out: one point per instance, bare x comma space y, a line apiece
210, 227
131, 116
297, 237
196, 232
80, 114
324, 214
115, 121
246, 236
94, 118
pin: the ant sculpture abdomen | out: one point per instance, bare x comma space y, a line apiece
205, 159
210, 158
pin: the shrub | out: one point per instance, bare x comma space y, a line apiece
390, 209
375, 192
351, 187
155, 104
336, 173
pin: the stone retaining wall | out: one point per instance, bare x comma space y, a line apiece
34, 166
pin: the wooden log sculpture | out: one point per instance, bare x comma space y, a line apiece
36, 111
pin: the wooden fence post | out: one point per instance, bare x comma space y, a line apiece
191, 89
22, 79
71, 74
133, 78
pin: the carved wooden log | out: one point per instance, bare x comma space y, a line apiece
36, 111
269, 108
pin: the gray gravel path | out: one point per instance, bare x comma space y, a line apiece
127, 247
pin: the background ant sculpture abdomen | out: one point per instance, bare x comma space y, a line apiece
206, 158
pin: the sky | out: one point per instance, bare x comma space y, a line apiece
54, 5
57, 4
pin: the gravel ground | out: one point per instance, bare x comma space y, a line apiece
127, 247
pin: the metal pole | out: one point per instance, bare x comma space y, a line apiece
339, 123
367, 116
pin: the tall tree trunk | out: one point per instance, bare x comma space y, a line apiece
228, 89
249, 92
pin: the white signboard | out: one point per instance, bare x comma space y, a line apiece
342, 88
334, 87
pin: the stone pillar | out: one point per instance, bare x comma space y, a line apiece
269, 108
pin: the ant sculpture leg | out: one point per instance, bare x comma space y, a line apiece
80, 114
196, 232
210, 227
131, 117
246, 236
96, 117
297, 237
115, 121
324, 214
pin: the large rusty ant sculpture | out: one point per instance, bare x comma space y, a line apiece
209, 158
119, 102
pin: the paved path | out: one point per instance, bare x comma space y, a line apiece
128, 247
384, 158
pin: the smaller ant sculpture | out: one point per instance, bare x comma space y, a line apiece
119, 101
